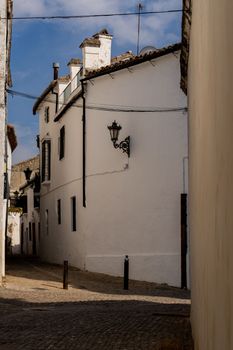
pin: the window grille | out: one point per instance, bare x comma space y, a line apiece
46, 160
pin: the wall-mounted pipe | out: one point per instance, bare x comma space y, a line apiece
84, 144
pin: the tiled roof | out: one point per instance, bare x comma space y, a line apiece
184, 57
64, 78
74, 61
124, 56
90, 42
43, 95
12, 136
94, 40
103, 31
132, 61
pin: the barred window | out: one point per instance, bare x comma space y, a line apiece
46, 160
62, 143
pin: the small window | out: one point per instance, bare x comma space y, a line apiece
46, 114
46, 161
73, 213
59, 212
62, 143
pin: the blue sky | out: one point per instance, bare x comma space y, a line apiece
37, 44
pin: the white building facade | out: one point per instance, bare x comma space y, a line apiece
98, 204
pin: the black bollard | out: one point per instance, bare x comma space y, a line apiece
65, 275
126, 273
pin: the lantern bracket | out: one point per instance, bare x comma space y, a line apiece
124, 145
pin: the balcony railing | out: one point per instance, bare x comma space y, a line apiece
73, 85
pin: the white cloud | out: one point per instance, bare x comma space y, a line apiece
154, 27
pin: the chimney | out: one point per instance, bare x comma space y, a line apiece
96, 51
105, 51
56, 67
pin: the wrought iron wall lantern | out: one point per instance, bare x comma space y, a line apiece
114, 130
27, 173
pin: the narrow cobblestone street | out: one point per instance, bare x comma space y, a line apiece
94, 313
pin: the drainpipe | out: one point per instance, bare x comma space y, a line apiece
56, 67
84, 144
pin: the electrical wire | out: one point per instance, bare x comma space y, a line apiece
94, 15
107, 108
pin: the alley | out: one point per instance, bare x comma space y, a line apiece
94, 313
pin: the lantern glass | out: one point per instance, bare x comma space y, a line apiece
114, 131
27, 173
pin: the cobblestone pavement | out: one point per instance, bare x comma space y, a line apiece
94, 313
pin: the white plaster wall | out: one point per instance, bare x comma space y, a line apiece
133, 205
90, 57
211, 173
13, 232
74, 69
105, 50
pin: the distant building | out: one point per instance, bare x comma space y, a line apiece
10, 147
24, 219
98, 203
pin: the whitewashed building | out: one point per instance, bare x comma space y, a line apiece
10, 147
98, 203
24, 219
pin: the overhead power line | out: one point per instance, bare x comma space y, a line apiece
94, 15
107, 108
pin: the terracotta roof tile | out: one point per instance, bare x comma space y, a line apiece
64, 78
74, 61
90, 42
132, 61
122, 57
12, 136
104, 31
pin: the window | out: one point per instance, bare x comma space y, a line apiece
47, 221
59, 211
46, 160
73, 213
46, 114
62, 143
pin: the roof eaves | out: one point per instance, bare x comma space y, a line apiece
12, 136
43, 95
133, 61
67, 106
